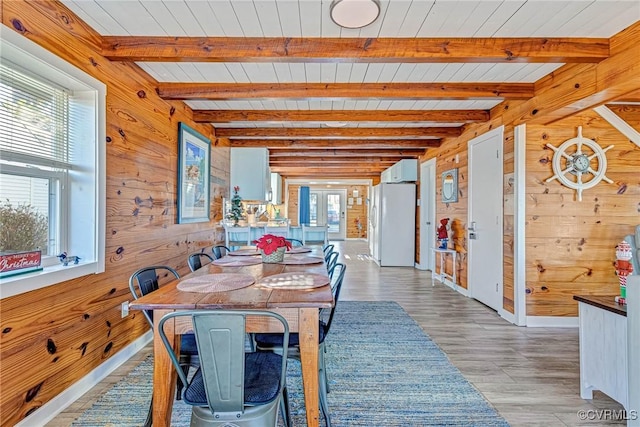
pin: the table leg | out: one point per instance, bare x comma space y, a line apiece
164, 375
308, 319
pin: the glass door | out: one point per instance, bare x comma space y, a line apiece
328, 207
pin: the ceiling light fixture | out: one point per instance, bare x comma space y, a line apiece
335, 124
354, 13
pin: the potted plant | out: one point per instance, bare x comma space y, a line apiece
272, 247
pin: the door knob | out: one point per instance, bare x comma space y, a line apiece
472, 227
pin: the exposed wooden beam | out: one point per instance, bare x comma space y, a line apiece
334, 175
417, 132
345, 50
577, 87
381, 166
363, 159
332, 91
320, 144
447, 116
319, 171
361, 153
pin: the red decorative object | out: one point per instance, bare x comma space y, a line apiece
443, 233
21, 262
270, 243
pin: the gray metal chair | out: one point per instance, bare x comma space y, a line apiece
219, 251
195, 260
274, 342
144, 281
295, 243
213, 391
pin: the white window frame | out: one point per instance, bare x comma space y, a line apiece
88, 189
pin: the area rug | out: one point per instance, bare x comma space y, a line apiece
383, 371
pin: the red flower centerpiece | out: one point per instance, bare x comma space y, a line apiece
272, 247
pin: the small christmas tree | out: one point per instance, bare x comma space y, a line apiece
236, 207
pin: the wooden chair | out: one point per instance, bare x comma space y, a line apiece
310, 233
237, 236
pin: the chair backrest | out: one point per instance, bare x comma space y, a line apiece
278, 231
336, 285
237, 236
315, 233
219, 251
326, 249
295, 243
331, 259
195, 260
145, 280
220, 336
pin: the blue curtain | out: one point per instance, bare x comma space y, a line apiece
303, 203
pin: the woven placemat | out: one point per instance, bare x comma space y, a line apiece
301, 260
218, 282
236, 261
299, 250
293, 280
244, 252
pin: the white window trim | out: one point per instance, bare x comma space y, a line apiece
24, 52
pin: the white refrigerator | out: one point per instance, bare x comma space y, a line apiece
392, 228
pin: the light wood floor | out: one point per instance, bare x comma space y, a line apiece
530, 375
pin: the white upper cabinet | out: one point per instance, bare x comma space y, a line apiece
250, 171
405, 170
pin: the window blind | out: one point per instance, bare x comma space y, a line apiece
34, 120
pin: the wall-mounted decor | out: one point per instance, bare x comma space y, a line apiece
194, 159
573, 166
450, 186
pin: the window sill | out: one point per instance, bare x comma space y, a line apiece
21, 283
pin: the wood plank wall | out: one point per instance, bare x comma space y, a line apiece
570, 245
454, 154
355, 211
54, 336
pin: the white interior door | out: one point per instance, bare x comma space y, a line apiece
485, 218
427, 213
329, 207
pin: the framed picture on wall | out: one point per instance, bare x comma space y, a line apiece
194, 160
450, 186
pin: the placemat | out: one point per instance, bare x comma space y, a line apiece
299, 250
244, 252
218, 282
294, 280
236, 261
301, 260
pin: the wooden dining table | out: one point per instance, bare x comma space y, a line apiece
299, 306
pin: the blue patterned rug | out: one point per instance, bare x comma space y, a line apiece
383, 371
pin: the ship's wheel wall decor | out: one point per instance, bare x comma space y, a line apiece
579, 163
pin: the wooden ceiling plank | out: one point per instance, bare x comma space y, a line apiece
424, 132
332, 91
354, 50
320, 144
447, 116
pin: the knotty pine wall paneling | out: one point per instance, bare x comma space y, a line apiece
570, 245
54, 336
451, 154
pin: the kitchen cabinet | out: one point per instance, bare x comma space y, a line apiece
406, 170
276, 189
250, 171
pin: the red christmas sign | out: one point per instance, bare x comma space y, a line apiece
21, 262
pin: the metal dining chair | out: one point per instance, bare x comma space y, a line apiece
232, 387
295, 243
219, 251
195, 260
145, 281
274, 342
